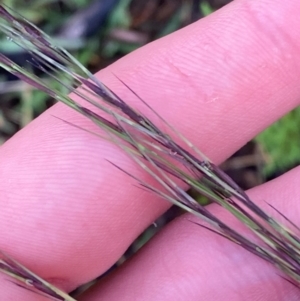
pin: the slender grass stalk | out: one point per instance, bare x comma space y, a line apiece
28, 280
166, 161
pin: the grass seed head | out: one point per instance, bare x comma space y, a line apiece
169, 163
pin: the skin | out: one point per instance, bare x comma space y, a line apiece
68, 215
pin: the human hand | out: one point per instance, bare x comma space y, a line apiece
68, 215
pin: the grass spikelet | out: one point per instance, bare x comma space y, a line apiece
169, 163
28, 280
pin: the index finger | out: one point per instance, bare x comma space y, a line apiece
67, 214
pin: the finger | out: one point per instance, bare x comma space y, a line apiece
219, 82
187, 262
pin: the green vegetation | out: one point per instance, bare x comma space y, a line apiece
281, 144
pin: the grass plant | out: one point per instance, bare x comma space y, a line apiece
171, 164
